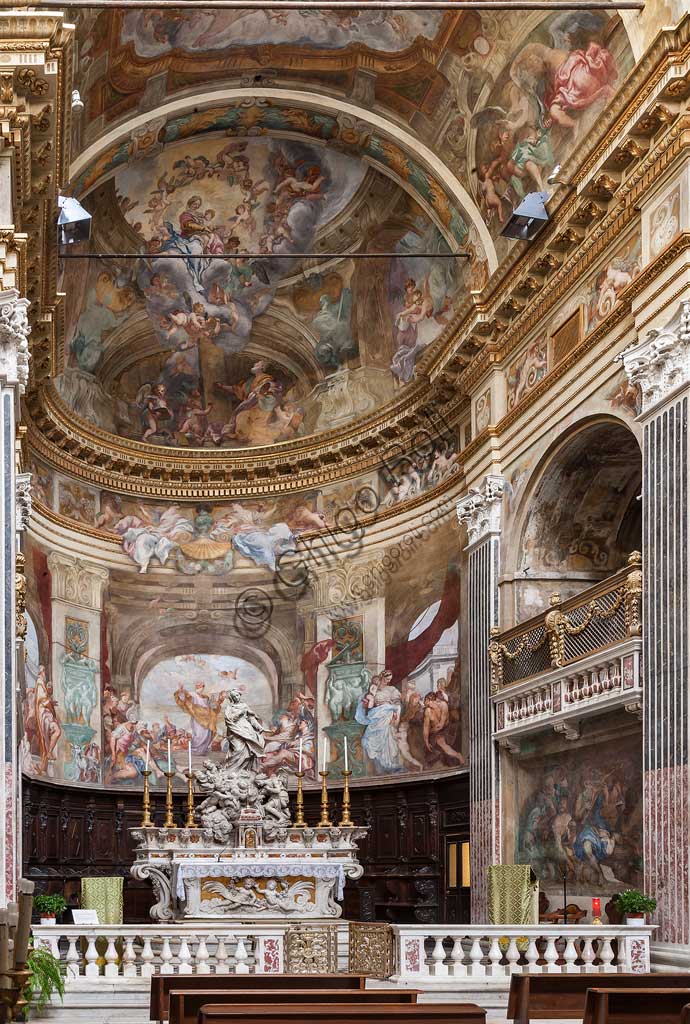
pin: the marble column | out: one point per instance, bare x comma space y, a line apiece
660, 366
14, 370
480, 513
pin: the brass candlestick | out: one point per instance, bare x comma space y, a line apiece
299, 817
346, 821
324, 821
20, 977
147, 821
169, 819
191, 820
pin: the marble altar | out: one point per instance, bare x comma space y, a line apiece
246, 861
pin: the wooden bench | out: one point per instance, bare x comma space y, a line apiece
184, 1005
161, 985
549, 996
635, 1005
343, 1013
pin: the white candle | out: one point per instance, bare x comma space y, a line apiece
148, 749
347, 767
169, 758
325, 751
300, 754
189, 756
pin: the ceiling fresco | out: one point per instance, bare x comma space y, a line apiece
501, 97
181, 348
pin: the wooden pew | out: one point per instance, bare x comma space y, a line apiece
343, 1013
685, 1015
184, 1005
161, 984
635, 1005
563, 996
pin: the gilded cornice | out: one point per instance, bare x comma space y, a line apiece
634, 143
382, 515
135, 468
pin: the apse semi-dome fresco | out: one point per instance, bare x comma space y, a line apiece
181, 348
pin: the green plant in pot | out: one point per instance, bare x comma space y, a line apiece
49, 907
634, 905
47, 978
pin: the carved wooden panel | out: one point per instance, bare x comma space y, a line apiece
70, 832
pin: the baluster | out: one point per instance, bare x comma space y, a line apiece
91, 970
512, 956
531, 956
202, 957
495, 968
457, 967
241, 957
606, 955
111, 965
167, 957
570, 956
53, 943
222, 966
477, 969
184, 957
438, 968
129, 959
72, 959
551, 955
588, 957
147, 958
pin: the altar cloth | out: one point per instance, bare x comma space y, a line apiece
273, 868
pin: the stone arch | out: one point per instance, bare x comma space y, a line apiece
353, 119
580, 516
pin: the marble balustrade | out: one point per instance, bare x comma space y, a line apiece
442, 952
424, 953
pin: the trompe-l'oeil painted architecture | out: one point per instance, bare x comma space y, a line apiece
298, 421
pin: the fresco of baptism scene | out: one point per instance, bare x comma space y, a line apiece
344, 384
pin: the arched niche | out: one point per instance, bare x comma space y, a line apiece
581, 516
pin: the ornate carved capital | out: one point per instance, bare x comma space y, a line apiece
23, 504
661, 363
480, 510
76, 581
14, 339
348, 585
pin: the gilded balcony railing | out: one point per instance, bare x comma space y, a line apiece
597, 618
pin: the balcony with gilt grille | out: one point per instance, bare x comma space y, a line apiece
582, 657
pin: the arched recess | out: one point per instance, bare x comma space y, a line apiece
580, 517
150, 644
355, 130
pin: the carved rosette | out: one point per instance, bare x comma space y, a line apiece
14, 339
660, 364
480, 510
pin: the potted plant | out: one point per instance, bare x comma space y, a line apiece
49, 907
47, 977
634, 905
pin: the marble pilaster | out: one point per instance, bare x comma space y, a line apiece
14, 371
480, 512
660, 365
